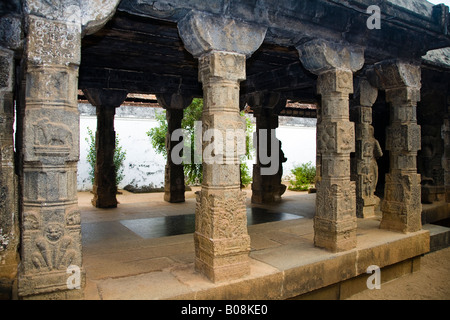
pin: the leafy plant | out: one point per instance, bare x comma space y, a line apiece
304, 177
119, 157
246, 178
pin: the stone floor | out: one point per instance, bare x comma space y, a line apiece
144, 249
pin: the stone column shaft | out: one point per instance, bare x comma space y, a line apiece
401, 205
335, 219
51, 230
104, 187
9, 220
221, 240
267, 188
106, 101
446, 156
366, 152
174, 185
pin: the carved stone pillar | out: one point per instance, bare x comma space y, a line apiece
9, 219
267, 188
221, 239
335, 219
366, 152
174, 185
446, 156
50, 218
401, 206
106, 101
51, 239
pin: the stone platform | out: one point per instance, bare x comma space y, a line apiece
122, 264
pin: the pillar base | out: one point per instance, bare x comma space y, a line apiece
49, 286
104, 199
447, 194
367, 207
223, 259
402, 206
335, 236
174, 196
104, 204
404, 223
432, 194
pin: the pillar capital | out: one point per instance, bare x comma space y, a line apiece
320, 56
220, 65
173, 101
202, 33
365, 93
88, 15
267, 100
400, 79
105, 97
392, 74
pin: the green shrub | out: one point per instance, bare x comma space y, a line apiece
246, 177
304, 177
119, 157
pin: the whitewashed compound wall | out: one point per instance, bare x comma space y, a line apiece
144, 167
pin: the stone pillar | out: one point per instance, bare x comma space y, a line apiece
335, 219
51, 239
446, 156
9, 219
51, 260
174, 185
367, 150
267, 188
401, 206
221, 239
106, 101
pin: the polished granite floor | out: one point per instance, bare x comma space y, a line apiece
182, 224
147, 216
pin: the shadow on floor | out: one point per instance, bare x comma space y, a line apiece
183, 224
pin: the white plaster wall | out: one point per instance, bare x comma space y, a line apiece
144, 167
299, 146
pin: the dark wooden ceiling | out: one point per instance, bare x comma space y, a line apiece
145, 55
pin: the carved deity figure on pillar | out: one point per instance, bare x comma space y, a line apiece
401, 206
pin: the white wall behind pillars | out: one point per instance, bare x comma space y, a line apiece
299, 146
144, 167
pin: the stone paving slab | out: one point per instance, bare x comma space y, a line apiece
278, 270
283, 261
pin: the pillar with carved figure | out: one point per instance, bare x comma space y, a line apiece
401, 205
222, 243
335, 219
268, 169
51, 255
367, 151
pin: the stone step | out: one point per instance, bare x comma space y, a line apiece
439, 236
